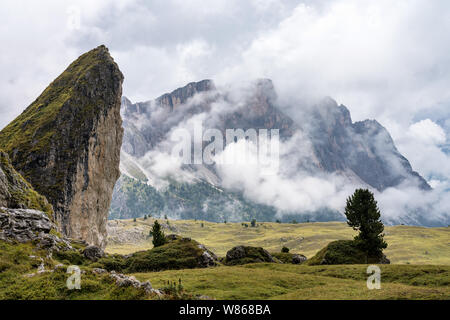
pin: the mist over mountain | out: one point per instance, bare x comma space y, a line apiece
323, 157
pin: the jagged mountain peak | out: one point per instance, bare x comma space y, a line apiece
67, 143
181, 95
362, 153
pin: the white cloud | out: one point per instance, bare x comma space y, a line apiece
385, 60
427, 132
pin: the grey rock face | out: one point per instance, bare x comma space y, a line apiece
364, 148
93, 253
24, 225
236, 253
298, 258
127, 281
362, 153
76, 163
208, 258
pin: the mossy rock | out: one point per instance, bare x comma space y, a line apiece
287, 257
74, 257
177, 254
16, 192
182, 253
244, 254
344, 252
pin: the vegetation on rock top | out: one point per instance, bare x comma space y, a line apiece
18, 192
182, 253
342, 252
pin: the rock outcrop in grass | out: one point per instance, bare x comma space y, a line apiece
287, 257
243, 255
178, 253
27, 225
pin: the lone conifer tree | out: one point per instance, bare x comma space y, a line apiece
363, 214
158, 235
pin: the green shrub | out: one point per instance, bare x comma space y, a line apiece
72, 256
114, 262
364, 216
283, 257
159, 238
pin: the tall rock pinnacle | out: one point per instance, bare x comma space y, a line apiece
67, 144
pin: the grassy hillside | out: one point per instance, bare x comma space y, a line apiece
406, 244
282, 281
19, 279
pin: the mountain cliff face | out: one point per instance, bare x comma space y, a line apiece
362, 152
365, 148
67, 144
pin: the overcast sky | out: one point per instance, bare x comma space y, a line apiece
384, 60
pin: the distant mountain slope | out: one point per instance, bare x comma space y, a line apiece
362, 153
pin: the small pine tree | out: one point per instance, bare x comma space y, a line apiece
165, 216
159, 238
202, 225
285, 249
363, 215
145, 217
253, 223
278, 221
134, 219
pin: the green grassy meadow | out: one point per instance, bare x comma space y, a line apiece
292, 282
406, 244
419, 269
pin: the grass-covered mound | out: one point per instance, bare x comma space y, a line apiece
19, 278
245, 254
181, 253
343, 252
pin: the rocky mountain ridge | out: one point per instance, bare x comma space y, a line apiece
361, 152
